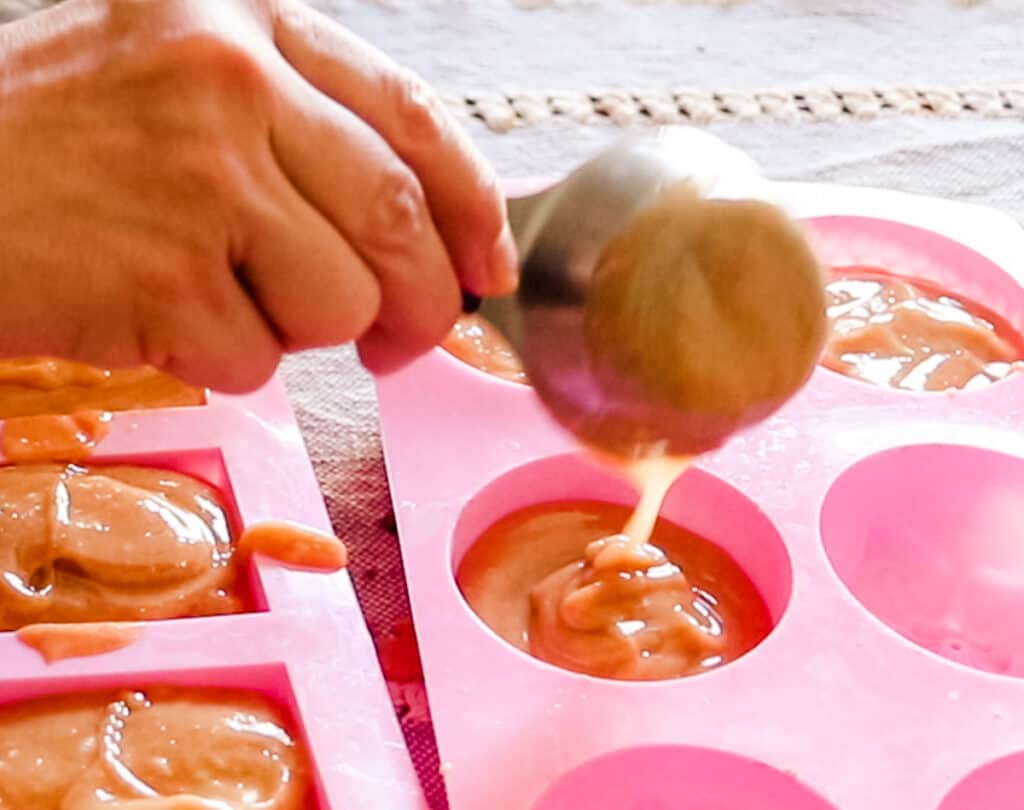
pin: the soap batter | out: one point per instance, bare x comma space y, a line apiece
912, 335
112, 543
43, 385
561, 582
294, 545
54, 437
55, 642
89, 751
476, 341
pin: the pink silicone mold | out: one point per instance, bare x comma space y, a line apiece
304, 644
881, 527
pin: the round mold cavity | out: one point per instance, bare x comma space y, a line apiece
917, 253
996, 786
930, 539
675, 777
453, 354
699, 502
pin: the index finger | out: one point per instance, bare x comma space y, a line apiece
462, 191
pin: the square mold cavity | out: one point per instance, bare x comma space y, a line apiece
208, 466
834, 709
271, 680
306, 643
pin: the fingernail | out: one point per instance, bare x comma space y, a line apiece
503, 265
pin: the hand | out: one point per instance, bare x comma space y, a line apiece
202, 186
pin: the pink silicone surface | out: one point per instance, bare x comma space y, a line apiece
305, 643
884, 529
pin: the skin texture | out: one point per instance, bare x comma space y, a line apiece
203, 186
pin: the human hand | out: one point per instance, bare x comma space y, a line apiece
202, 186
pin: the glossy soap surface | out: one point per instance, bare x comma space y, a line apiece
79, 752
561, 582
112, 543
912, 335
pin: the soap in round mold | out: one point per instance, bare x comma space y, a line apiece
90, 750
113, 543
560, 582
911, 335
477, 342
31, 386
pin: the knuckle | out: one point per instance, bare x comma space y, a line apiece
417, 107
397, 209
181, 283
218, 63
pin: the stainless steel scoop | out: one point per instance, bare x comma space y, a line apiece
561, 233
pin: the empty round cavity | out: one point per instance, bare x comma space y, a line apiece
912, 310
540, 557
675, 777
930, 539
996, 786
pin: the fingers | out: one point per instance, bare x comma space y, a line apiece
210, 333
374, 202
461, 191
306, 279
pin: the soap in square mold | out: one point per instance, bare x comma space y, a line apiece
31, 386
245, 706
308, 624
136, 544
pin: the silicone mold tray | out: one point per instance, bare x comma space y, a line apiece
883, 528
305, 643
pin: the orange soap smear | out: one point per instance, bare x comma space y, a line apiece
70, 437
45, 385
162, 748
55, 642
294, 545
112, 543
561, 582
477, 342
912, 335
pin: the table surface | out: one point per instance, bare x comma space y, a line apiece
542, 84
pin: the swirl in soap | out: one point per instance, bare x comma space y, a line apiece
562, 582
911, 335
112, 543
219, 748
